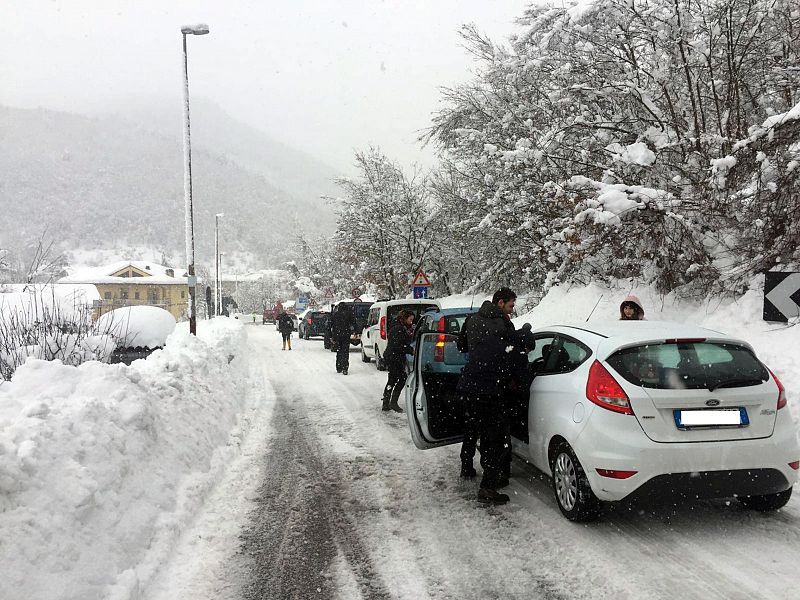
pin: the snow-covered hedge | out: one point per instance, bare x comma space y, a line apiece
101, 465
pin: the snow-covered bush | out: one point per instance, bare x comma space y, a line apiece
37, 323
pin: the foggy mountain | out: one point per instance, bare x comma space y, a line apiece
115, 182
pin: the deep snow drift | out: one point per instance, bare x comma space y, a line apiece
102, 466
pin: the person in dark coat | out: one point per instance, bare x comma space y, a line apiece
285, 326
341, 329
398, 345
488, 336
517, 393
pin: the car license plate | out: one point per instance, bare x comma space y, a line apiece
716, 417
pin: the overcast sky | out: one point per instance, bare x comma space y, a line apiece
326, 76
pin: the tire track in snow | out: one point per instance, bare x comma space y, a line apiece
302, 521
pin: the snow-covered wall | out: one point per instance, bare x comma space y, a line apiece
102, 465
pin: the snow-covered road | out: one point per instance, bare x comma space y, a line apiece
330, 499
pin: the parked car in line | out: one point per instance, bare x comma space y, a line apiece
313, 323
381, 316
271, 314
638, 409
360, 312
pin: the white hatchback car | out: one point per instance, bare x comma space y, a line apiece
630, 409
382, 315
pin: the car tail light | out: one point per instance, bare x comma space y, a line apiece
614, 474
442, 324
685, 341
438, 349
308, 321
603, 390
781, 390
383, 328
795, 465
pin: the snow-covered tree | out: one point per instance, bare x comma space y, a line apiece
598, 144
386, 225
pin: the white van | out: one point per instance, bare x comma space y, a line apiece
382, 316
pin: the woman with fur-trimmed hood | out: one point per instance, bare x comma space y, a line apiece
631, 309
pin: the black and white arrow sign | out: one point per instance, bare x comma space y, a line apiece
781, 296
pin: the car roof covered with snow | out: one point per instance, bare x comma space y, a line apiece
612, 335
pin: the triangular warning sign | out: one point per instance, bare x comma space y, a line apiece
420, 280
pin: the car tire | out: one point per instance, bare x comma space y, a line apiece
379, 364
767, 502
574, 495
364, 357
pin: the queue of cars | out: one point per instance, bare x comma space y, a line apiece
625, 409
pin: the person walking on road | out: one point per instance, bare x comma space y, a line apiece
341, 330
489, 334
398, 345
285, 326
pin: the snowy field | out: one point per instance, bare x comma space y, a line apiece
186, 476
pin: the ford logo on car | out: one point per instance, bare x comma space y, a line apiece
712, 402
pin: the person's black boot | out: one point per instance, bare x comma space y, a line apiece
385, 405
468, 472
395, 407
490, 496
344, 371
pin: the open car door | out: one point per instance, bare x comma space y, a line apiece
434, 408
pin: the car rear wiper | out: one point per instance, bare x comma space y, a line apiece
734, 382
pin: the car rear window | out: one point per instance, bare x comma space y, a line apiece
394, 310
689, 365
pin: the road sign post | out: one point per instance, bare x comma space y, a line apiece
420, 285
781, 296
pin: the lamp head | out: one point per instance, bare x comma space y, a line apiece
200, 29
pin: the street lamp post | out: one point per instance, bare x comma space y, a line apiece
217, 295
221, 254
187, 179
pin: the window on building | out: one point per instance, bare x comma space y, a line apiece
136, 295
183, 294
124, 294
107, 295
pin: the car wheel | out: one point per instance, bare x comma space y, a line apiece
364, 357
574, 495
379, 364
767, 502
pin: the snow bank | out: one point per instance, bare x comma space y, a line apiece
774, 344
102, 466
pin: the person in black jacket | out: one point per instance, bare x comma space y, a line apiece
489, 336
398, 345
341, 329
285, 326
517, 394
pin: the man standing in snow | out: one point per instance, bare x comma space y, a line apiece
489, 336
341, 329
